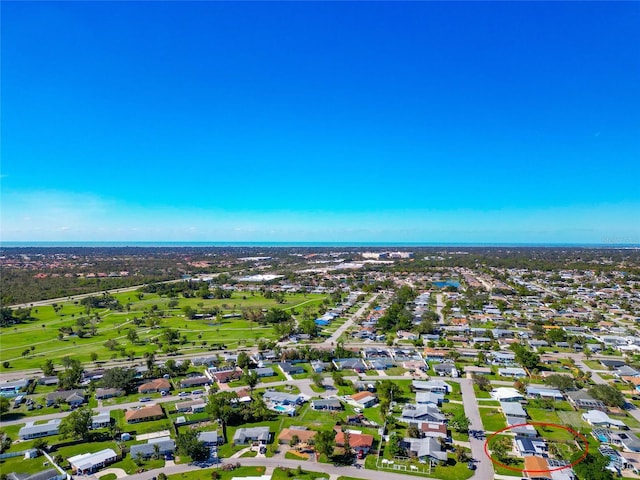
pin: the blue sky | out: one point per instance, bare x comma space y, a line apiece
321, 121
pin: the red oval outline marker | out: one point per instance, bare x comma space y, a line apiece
544, 424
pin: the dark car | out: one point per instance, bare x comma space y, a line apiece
471, 466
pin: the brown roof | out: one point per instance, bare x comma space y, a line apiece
356, 440
536, 466
634, 380
361, 395
434, 427
245, 392
304, 435
226, 375
146, 412
156, 384
434, 352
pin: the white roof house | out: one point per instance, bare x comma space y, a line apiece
598, 418
432, 386
514, 372
90, 462
506, 394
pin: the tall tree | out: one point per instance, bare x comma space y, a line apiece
220, 407
48, 368
325, 441
251, 377
607, 394
77, 424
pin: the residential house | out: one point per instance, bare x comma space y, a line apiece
88, 463
617, 463
291, 369
598, 418
360, 442
225, 376
101, 420
426, 449
195, 382
145, 414
192, 406
506, 394
104, 393
513, 409
541, 468
520, 427
74, 398
48, 381
253, 434
429, 397
13, 388
581, 400
331, 404
419, 414
435, 430
210, 439
157, 385
471, 370
612, 364
434, 355
48, 474
626, 371
530, 446
364, 399
159, 446
381, 364
512, 372
281, 398
444, 369
318, 366
30, 430
355, 364
302, 433
503, 358
544, 392
265, 372
431, 386
629, 441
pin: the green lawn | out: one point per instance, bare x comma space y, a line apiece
514, 463
542, 415
452, 471
20, 465
282, 473
492, 419
238, 472
456, 392
480, 393
114, 325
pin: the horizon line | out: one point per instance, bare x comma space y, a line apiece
186, 243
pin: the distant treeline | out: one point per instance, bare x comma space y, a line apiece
154, 264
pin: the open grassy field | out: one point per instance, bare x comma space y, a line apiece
492, 419
28, 345
238, 472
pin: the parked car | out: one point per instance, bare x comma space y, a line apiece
144, 399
